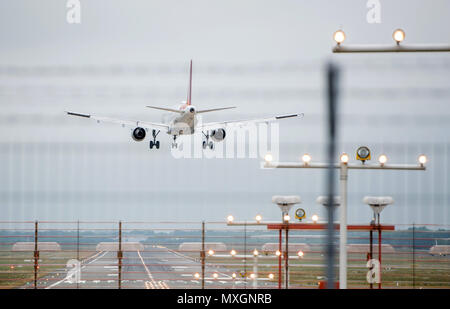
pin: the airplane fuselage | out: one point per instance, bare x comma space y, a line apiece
183, 123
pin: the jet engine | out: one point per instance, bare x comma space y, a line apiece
218, 135
138, 134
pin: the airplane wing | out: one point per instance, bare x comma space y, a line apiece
123, 123
242, 123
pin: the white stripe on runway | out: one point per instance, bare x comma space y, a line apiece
61, 281
147, 270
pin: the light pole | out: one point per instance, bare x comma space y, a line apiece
377, 203
285, 203
324, 200
343, 167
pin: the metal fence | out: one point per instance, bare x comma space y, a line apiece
188, 255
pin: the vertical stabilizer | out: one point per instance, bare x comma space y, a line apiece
189, 95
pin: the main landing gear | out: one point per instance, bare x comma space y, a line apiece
207, 143
174, 144
154, 142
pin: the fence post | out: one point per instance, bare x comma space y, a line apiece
414, 257
78, 248
371, 251
379, 249
36, 253
280, 239
245, 253
202, 254
286, 258
120, 255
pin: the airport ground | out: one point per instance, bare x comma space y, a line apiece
158, 267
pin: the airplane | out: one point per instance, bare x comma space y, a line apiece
184, 122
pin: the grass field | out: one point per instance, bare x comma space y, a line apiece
17, 268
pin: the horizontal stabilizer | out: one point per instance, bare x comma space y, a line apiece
214, 109
166, 109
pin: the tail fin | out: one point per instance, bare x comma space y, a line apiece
189, 95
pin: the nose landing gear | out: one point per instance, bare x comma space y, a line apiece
154, 142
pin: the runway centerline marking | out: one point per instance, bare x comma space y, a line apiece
147, 270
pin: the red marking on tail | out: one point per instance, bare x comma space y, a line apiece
189, 95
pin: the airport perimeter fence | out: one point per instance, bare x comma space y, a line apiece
187, 255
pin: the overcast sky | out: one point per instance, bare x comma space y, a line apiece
266, 57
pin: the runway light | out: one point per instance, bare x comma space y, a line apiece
258, 218
344, 158
253, 276
255, 252
197, 275
277, 253
306, 158
215, 276
268, 158
398, 35
230, 219
382, 159
233, 252
300, 254
286, 218
339, 36
315, 218
233, 275
12, 267
271, 276
422, 159
211, 252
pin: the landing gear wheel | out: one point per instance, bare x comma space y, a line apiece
207, 143
174, 144
154, 142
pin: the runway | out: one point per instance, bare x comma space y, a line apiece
156, 267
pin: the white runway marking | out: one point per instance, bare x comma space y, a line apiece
147, 270
61, 281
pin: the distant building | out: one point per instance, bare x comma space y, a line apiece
271, 248
365, 248
114, 246
41, 246
197, 246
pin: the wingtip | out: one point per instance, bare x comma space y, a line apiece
78, 114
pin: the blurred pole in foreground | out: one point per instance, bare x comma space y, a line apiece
331, 96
